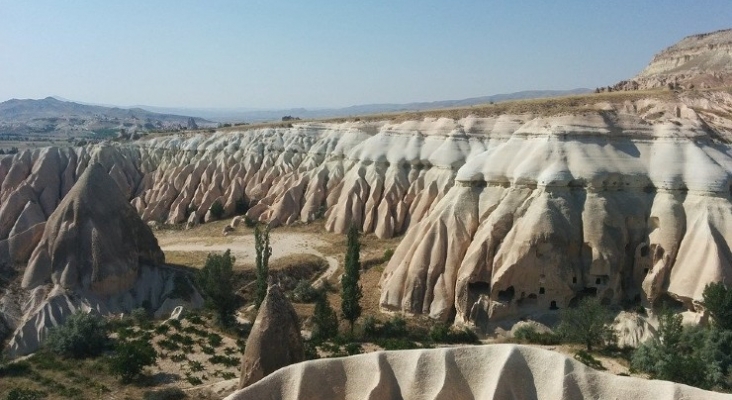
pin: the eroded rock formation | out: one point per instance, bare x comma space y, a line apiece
505, 211
697, 61
474, 372
274, 341
95, 253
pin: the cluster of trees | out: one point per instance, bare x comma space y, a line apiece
694, 355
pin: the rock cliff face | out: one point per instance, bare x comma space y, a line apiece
697, 61
471, 372
504, 213
94, 253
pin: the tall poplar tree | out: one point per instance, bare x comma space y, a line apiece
263, 249
350, 288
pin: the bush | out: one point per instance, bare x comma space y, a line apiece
217, 210
370, 327
718, 300
588, 323
25, 394
587, 359
130, 358
216, 280
388, 254
140, 315
170, 393
528, 334
675, 354
214, 339
304, 292
82, 335
241, 206
396, 327
325, 320
441, 333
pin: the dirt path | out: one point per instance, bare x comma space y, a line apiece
283, 244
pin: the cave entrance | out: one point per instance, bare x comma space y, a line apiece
506, 295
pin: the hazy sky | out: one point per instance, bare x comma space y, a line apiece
318, 53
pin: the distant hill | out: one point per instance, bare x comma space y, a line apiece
249, 115
696, 61
53, 117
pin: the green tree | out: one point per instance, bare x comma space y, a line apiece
588, 323
130, 358
82, 335
350, 288
263, 250
718, 300
216, 281
674, 354
325, 320
217, 210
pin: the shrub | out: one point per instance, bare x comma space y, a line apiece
388, 254
130, 358
214, 339
170, 393
588, 323
82, 335
324, 319
528, 334
217, 210
441, 333
396, 327
140, 315
370, 327
25, 394
718, 300
216, 280
674, 354
353, 349
587, 359
304, 292
241, 206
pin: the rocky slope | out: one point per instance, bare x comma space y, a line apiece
477, 372
697, 61
505, 211
95, 253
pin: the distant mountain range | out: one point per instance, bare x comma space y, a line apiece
53, 117
252, 115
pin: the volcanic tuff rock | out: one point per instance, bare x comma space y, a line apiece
95, 253
477, 372
504, 213
697, 61
274, 341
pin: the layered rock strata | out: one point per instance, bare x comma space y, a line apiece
504, 214
697, 61
95, 253
477, 372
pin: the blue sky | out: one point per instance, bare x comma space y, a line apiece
276, 54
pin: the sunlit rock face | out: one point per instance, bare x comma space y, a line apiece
609, 203
697, 61
502, 214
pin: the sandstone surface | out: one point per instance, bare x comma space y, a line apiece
478, 372
94, 253
274, 341
504, 212
697, 61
